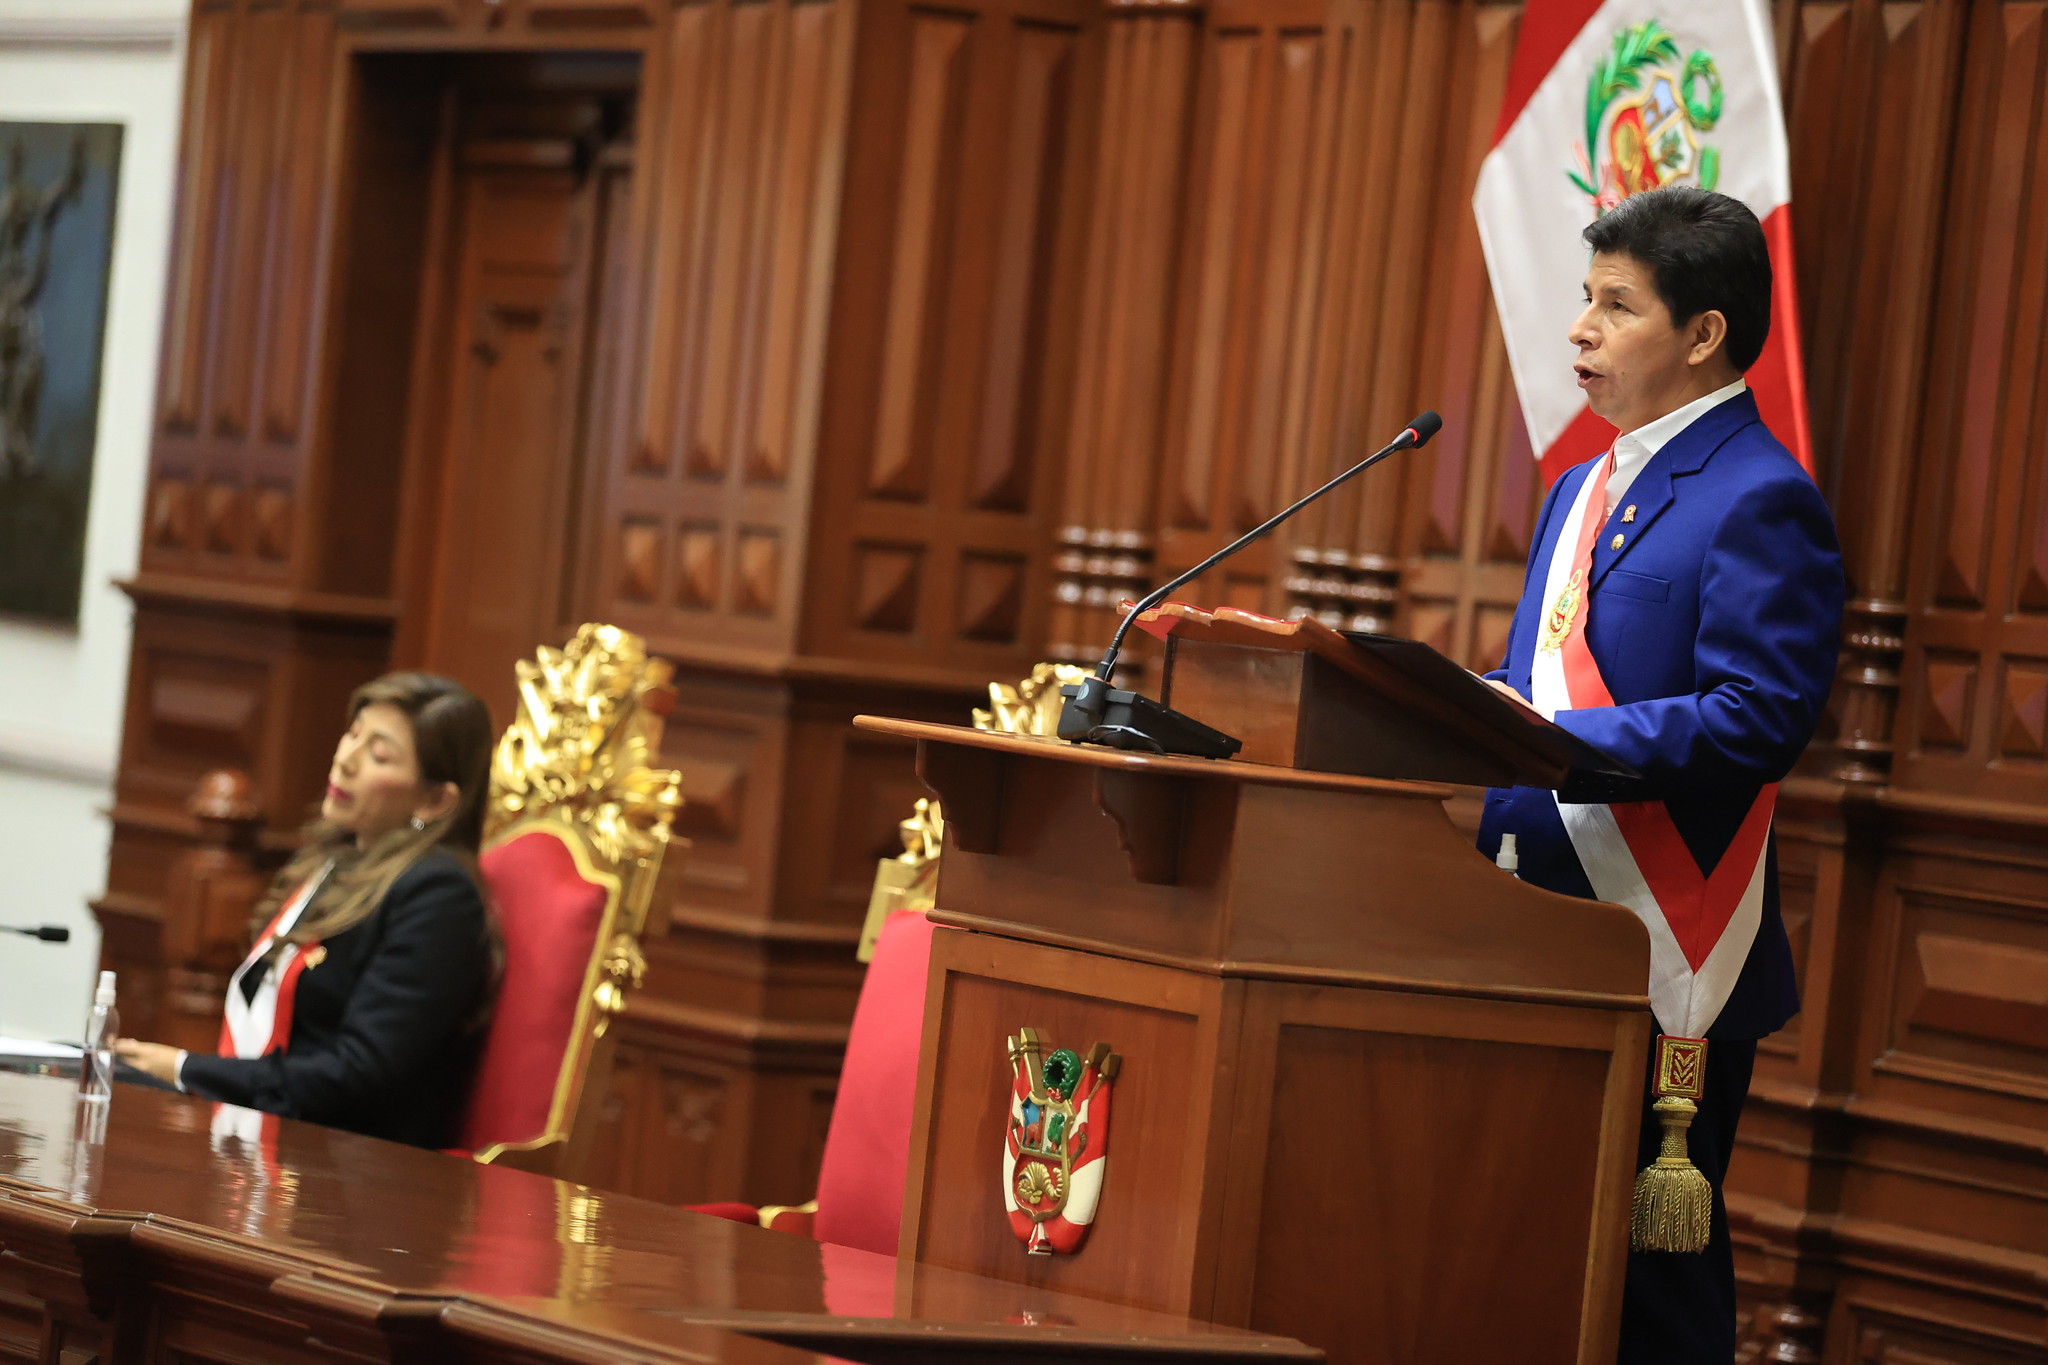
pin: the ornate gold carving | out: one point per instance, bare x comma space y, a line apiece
575, 763
1032, 707
581, 745
910, 880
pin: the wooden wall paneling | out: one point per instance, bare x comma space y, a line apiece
172, 528
1257, 238
704, 510
1871, 116
552, 14
1346, 551
1113, 430
243, 220
1472, 494
405, 14
209, 67
293, 271
938, 452
751, 978
612, 357
1872, 122
393, 123
1975, 720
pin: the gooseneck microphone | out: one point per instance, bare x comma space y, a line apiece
48, 933
1096, 712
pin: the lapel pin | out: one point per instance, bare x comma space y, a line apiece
1628, 513
1615, 544
315, 956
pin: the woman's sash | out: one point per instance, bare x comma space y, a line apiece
256, 1026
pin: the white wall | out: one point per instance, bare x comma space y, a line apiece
61, 688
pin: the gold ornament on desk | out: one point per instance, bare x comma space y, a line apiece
1032, 707
910, 880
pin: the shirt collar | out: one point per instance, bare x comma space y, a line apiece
1651, 437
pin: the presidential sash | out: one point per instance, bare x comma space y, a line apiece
1702, 924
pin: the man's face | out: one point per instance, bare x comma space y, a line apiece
1634, 364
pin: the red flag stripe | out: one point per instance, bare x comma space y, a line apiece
1548, 27
1586, 437
1779, 375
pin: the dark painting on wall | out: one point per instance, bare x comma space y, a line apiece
57, 183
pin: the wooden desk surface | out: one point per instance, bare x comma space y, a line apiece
316, 1229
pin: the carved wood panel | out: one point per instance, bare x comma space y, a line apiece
1113, 432
235, 370
1868, 103
1975, 714
748, 145
949, 348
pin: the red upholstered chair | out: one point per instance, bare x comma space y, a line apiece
578, 827
867, 1146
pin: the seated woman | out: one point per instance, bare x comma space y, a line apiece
363, 1002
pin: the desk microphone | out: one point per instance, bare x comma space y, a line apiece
48, 933
1096, 712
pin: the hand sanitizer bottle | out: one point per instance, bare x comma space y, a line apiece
96, 1067
1508, 860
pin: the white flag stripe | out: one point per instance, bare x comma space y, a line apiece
1531, 213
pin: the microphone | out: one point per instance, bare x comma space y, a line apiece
1096, 712
48, 933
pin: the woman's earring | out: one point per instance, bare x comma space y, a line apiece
419, 825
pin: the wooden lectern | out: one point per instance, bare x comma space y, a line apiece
1375, 1093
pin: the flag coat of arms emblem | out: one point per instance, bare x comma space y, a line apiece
1056, 1143
1604, 101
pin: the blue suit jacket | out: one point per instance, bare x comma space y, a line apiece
1716, 627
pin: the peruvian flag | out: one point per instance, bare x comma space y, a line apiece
1604, 100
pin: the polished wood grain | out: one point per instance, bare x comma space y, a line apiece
920, 337
1330, 1051
141, 1222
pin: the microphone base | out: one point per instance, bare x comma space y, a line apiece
1097, 713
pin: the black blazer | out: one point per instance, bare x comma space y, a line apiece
382, 1038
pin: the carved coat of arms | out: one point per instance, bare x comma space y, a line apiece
1056, 1149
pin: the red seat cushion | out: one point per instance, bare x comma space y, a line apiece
549, 915
867, 1147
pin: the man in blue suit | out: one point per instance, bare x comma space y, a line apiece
1682, 612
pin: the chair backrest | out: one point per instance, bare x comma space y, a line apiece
867, 1145
578, 827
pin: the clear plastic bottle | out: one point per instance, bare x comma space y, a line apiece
96, 1067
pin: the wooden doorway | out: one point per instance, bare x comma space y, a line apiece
530, 216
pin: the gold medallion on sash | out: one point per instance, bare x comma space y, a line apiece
1563, 613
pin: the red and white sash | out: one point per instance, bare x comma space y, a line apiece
1701, 925
255, 1027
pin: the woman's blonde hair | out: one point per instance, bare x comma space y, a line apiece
452, 737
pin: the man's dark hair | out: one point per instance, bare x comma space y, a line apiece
1704, 251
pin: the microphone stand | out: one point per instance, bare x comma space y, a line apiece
1101, 714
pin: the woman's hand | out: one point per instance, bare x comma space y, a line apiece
154, 1058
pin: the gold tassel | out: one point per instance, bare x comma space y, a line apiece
1674, 1203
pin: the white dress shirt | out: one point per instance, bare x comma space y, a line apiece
1633, 449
